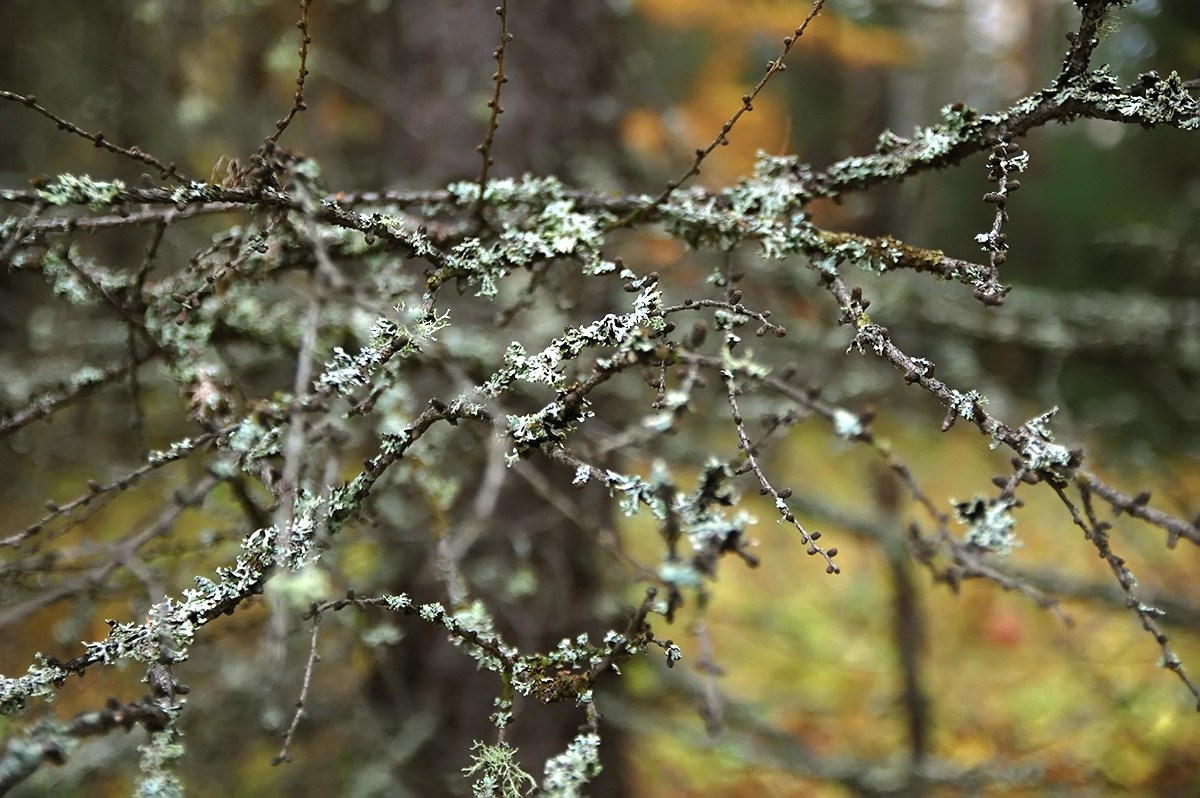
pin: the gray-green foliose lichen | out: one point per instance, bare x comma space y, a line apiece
81, 190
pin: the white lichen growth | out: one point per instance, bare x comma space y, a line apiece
497, 773
568, 773
989, 523
157, 781
964, 404
81, 190
847, 425
1039, 450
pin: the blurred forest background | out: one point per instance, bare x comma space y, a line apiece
615, 95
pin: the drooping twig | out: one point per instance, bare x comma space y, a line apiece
766, 488
1096, 532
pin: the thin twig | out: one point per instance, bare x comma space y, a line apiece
124, 550
298, 103
1096, 532
872, 337
1138, 506
165, 170
95, 489
722, 137
498, 79
83, 384
285, 754
766, 488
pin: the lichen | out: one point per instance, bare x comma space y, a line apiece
1039, 450
496, 772
989, 523
569, 772
69, 189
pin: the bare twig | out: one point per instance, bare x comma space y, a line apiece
285, 754
498, 81
1139, 507
119, 557
181, 450
722, 137
298, 103
135, 153
1096, 532
81, 386
766, 488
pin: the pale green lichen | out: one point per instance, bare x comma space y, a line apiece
255, 439
868, 336
743, 364
507, 192
80, 279
1153, 100
627, 333
168, 632
990, 523
177, 450
387, 340
86, 376
502, 716
398, 602
157, 780
496, 772
847, 425
193, 192
965, 404
1039, 450
680, 573
556, 230
38, 682
568, 773
81, 190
